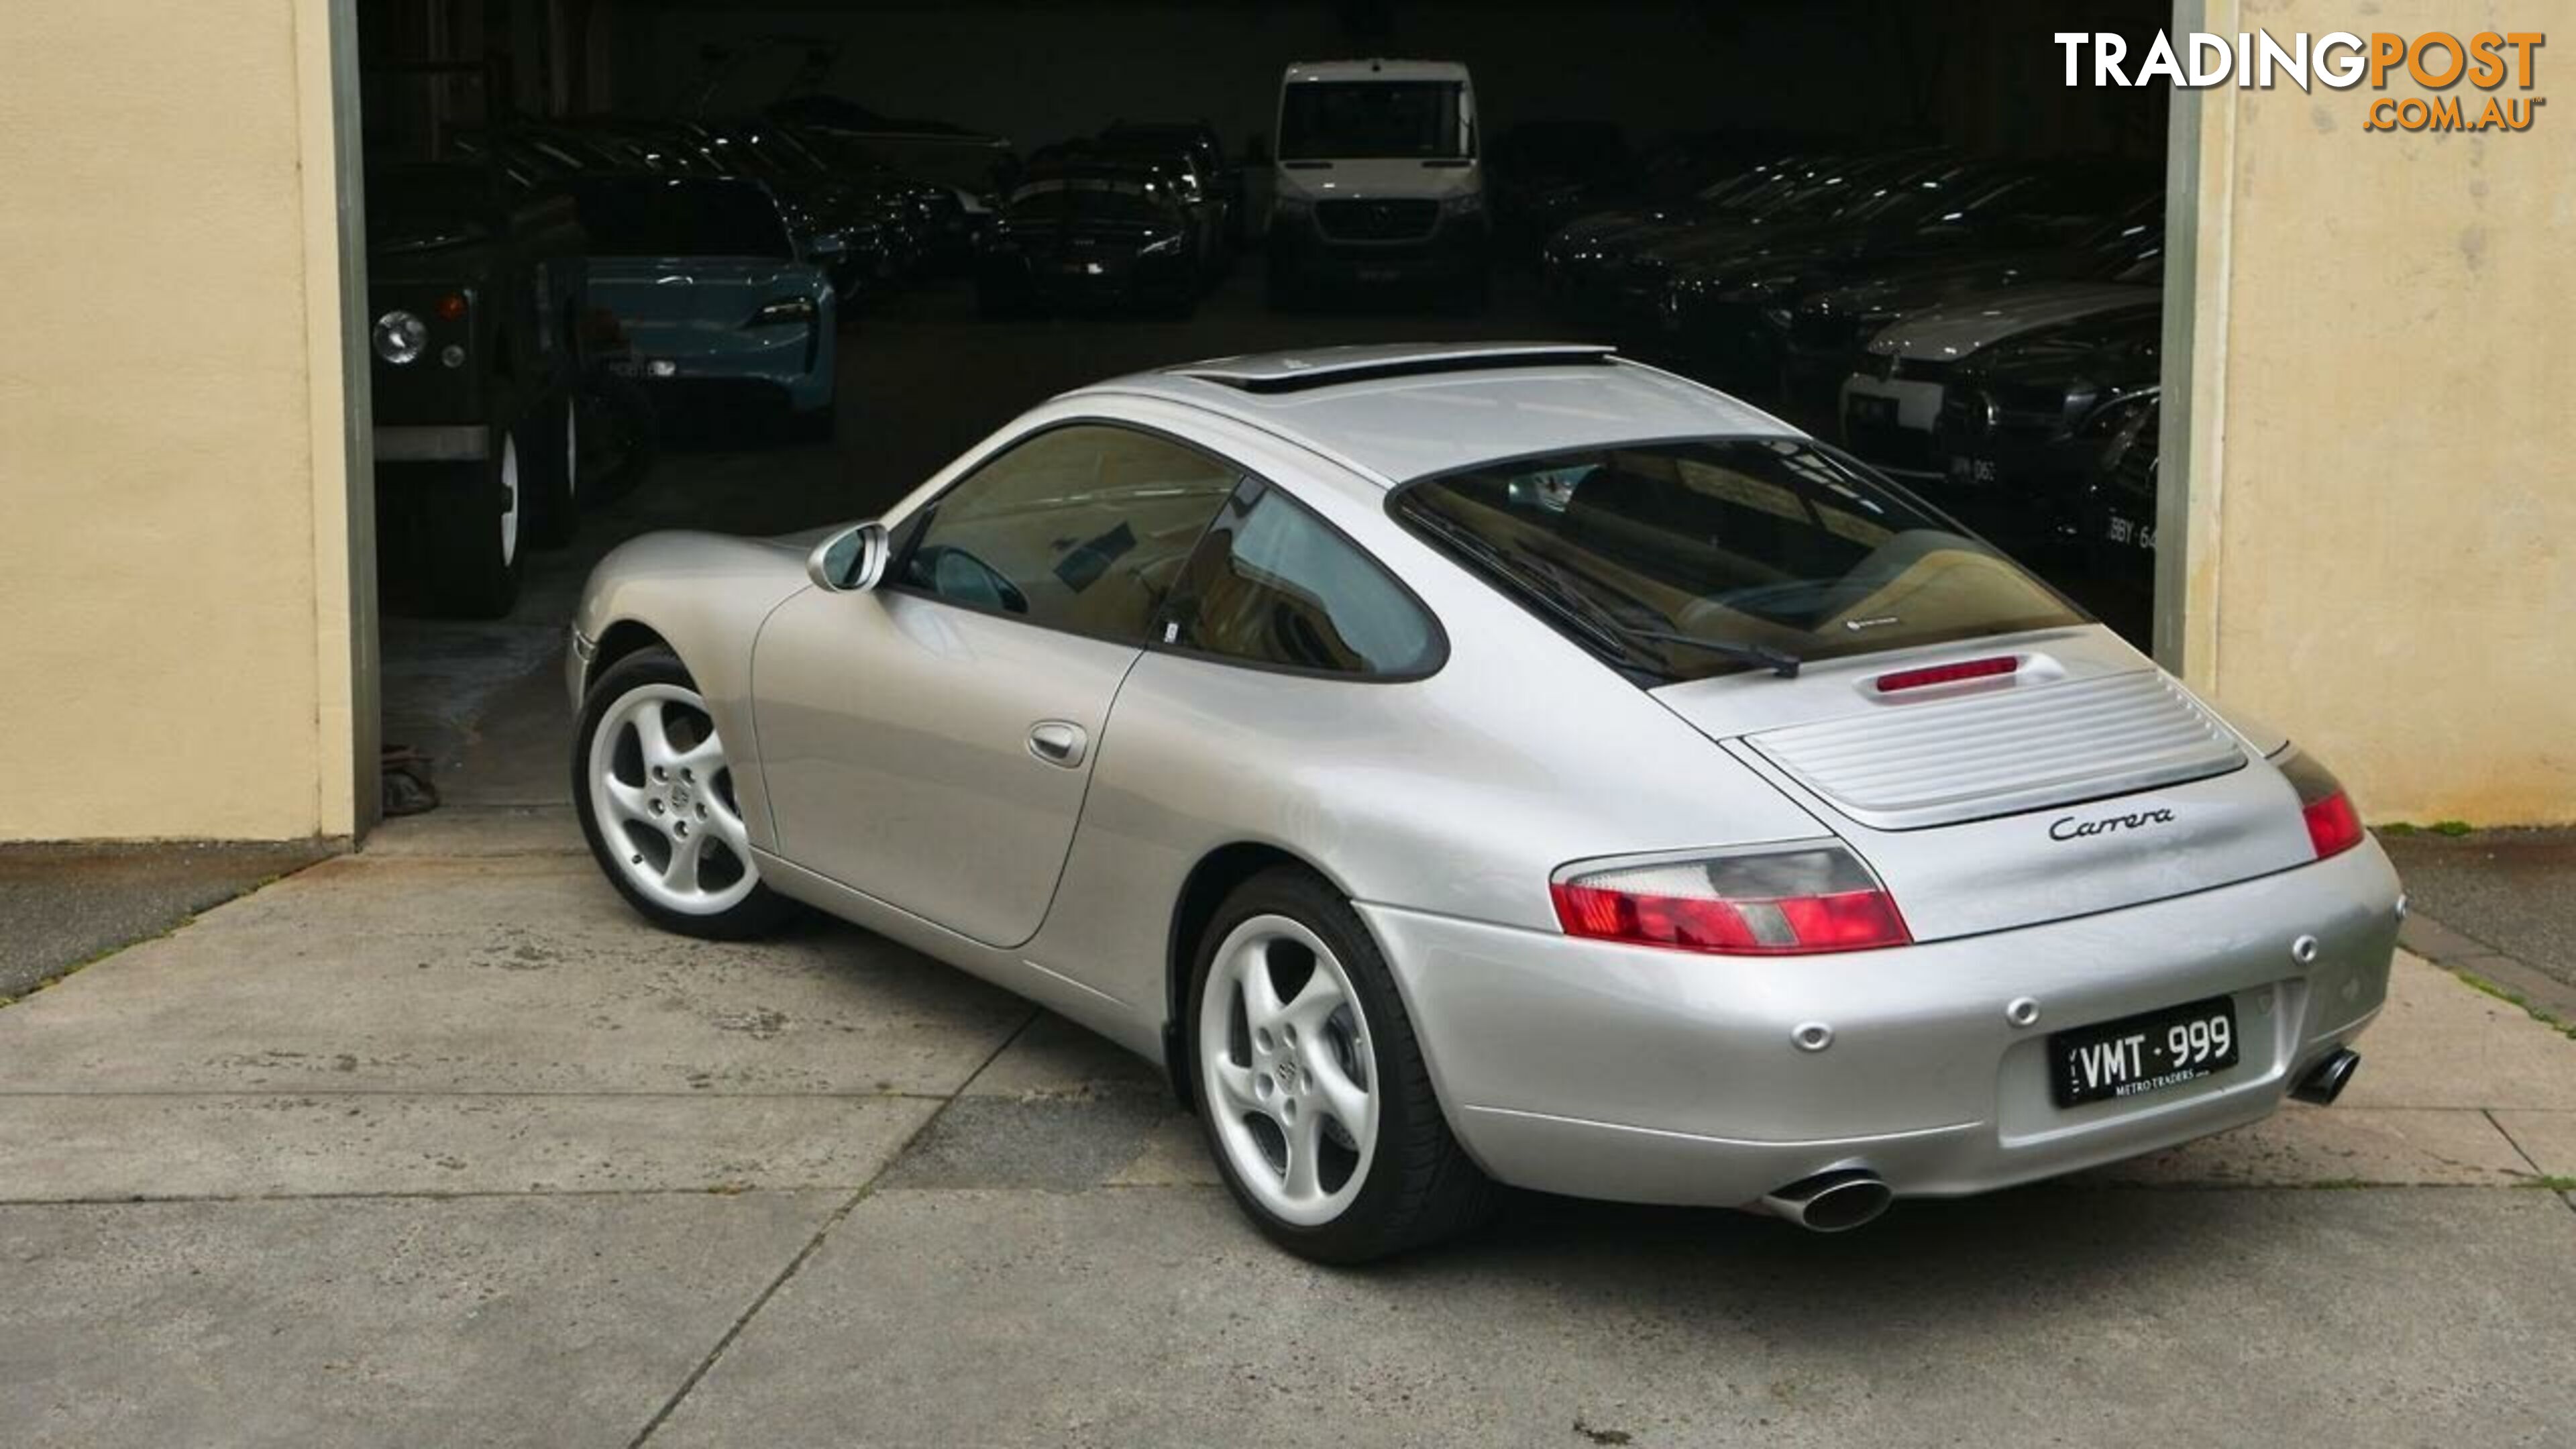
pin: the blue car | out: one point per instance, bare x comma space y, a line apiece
718, 304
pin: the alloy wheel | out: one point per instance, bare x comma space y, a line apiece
663, 795
509, 500
1286, 1070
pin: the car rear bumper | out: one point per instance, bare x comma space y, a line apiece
1609, 1071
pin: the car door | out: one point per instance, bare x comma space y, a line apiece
928, 742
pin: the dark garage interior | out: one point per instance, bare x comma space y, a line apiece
648, 264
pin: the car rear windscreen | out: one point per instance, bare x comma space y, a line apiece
1731, 547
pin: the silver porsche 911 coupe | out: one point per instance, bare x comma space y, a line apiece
1497, 764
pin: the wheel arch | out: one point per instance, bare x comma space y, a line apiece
1204, 889
621, 639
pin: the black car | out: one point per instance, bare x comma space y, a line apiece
1091, 237
1547, 172
2024, 423
1728, 310
2107, 556
1829, 330
1197, 140
475, 299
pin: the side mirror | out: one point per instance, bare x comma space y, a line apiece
851, 561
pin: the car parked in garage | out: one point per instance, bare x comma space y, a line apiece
1092, 235
475, 291
1890, 403
1728, 309
720, 307
1622, 796
1198, 141
1829, 330
1378, 181
2022, 422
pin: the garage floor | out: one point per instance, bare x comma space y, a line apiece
439, 1144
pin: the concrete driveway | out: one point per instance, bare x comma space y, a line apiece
438, 1145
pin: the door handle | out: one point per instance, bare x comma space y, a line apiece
1057, 742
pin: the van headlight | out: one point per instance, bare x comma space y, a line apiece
1465, 203
400, 336
1163, 248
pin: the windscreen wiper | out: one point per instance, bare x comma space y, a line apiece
1548, 585
1779, 661
1584, 616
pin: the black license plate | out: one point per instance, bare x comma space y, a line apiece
1875, 411
2144, 1053
1971, 470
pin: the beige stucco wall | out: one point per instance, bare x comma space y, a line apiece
2381, 439
175, 630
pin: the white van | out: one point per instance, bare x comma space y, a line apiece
1378, 180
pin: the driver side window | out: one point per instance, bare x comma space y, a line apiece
1082, 528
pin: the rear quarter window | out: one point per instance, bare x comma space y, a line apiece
1273, 585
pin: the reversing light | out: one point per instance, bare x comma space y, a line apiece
2333, 825
1777, 901
1930, 675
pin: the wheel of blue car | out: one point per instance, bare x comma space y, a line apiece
655, 792
1311, 1087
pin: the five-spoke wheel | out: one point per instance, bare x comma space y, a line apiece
657, 802
1311, 1087
1287, 1069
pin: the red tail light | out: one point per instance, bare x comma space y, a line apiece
1925, 678
1774, 902
2333, 825
451, 307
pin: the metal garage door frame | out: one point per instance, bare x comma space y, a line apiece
365, 660
2200, 150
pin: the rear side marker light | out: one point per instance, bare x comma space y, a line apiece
1781, 901
1931, 675
2333, 825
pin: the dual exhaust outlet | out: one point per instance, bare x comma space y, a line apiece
1842, 1198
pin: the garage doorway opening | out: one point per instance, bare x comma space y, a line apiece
1891, 223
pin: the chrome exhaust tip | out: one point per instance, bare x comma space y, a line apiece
2326, 1080
1833, 1201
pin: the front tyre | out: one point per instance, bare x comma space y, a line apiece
475, 525
1311, 1086
656, 797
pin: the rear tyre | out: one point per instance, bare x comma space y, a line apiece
1310, 1085
475, 518
654, 789
551, 465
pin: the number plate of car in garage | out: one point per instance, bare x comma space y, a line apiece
2143, 1053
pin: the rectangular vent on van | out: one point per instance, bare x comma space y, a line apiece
2000, 754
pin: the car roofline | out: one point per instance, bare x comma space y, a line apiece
1182, 386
